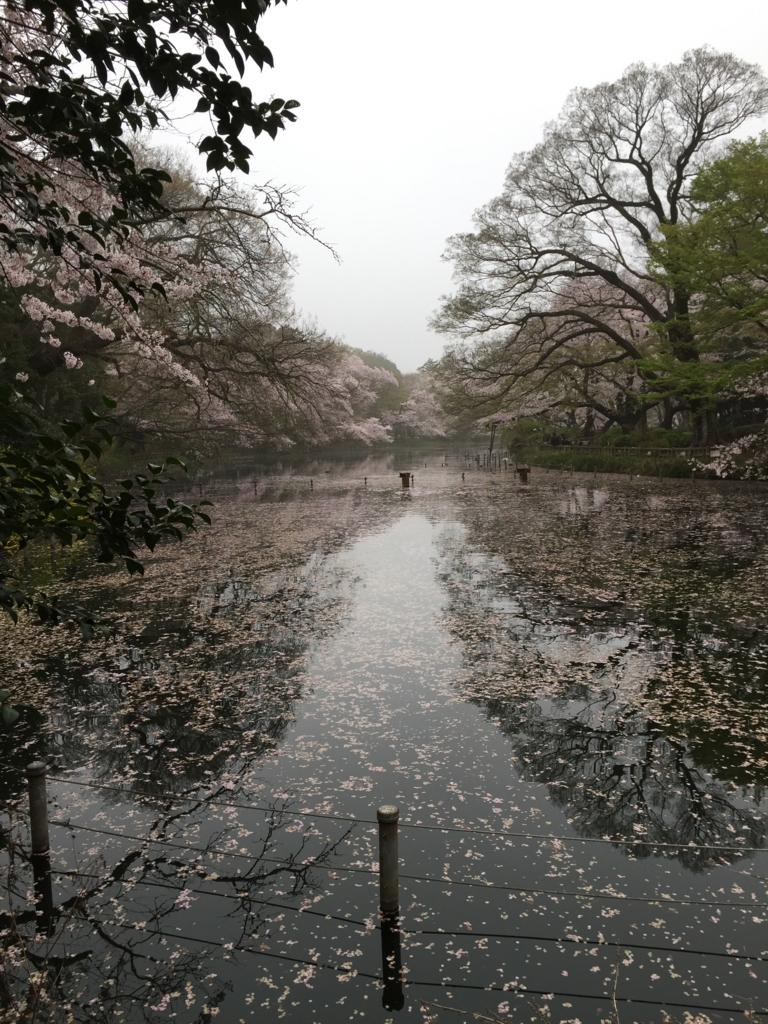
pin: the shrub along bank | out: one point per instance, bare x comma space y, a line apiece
589, 462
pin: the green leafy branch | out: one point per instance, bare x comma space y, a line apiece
47, 491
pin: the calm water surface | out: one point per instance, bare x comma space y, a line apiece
577, 667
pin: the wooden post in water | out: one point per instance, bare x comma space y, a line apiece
389, 904
41, 849
388, 816
38, 808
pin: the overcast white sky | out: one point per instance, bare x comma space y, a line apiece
410, 114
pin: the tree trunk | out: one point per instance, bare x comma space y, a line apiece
668, 419
704, 426
493, 435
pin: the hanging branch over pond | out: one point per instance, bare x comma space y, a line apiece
47, 492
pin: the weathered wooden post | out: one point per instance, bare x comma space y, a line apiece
389, 904
405, 480
388, 816
41, 849
38, 808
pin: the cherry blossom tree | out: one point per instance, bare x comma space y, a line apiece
421, 415
179, 299
313, 392
80, 247
216, 354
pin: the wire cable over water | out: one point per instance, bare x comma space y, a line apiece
415, 878
367, 927
441, 984
420, 825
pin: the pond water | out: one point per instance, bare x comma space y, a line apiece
561, 685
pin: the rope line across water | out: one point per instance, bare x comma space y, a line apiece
442, 984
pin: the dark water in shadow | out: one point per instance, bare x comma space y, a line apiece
578, 666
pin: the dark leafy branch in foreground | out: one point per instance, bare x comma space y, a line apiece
47, 491
80, 78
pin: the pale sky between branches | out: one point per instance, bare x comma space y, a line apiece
410, 114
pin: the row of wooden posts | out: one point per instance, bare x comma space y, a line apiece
388, 816
407, 479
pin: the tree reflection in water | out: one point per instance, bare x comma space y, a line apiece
193, 698
113, 948
643, 723
184, 705
627, 780
611, 638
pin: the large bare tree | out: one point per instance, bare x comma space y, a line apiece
554, 282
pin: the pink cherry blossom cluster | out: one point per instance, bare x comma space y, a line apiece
64, 290
420, 415
743, 459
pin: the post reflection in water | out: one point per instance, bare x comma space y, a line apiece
391, 961
388, 816
41, 872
